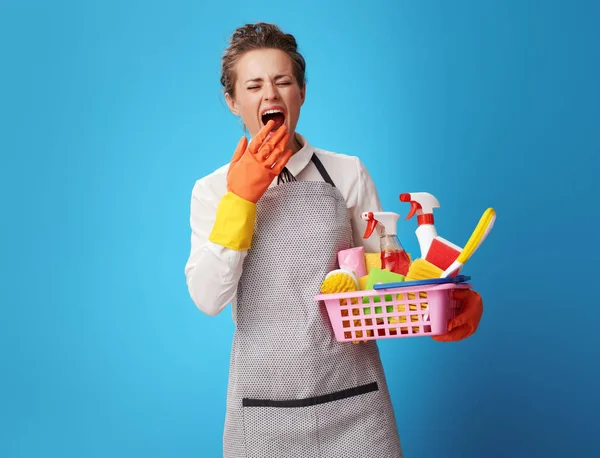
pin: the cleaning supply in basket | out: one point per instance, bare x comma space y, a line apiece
407, 318
362, 283
381, 276
483, 228
353, 259
339, 281
435, 249
428, 282
421, 269
372, 260
393, 256
342, 281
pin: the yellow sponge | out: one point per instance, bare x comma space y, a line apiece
372, 260
362, 282
381, 276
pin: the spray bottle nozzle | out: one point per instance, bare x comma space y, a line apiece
385, 220
421, 203
371, 223
414, 205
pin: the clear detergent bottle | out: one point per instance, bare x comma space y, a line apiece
393, 256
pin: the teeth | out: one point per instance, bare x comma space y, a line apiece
272, 112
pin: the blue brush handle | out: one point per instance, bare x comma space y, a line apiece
431, 281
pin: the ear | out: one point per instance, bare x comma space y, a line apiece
303, 94
231, 104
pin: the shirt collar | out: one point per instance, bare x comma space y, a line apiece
301, 158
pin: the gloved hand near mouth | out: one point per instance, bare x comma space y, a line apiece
251, 172
253, 168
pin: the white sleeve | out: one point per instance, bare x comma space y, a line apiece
212, 271
367, 199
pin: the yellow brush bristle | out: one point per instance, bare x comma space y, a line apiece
420, 269
339, 282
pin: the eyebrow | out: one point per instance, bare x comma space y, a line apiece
258, 80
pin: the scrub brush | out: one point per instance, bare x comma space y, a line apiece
341, 281
421, 269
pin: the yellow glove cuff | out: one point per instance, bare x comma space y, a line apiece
234, 225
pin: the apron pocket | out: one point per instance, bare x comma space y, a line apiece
349, 423
357, 426
273, 432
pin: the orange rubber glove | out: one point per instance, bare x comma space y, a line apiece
467, 321
253, 168
251, 171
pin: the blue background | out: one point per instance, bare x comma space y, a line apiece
109, 112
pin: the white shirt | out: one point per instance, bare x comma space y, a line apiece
213, 271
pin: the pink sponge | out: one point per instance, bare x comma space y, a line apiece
353, 259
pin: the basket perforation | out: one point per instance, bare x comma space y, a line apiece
391, 313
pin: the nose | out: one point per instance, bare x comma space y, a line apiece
270, 92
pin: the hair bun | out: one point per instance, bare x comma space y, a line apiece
245, 31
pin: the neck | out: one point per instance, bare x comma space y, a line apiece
294, 144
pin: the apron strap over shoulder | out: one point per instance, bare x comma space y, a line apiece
322, 170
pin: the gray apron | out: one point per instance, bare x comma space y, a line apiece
294, 391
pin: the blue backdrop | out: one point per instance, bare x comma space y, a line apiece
109, 112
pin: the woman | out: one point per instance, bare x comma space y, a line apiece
266, 229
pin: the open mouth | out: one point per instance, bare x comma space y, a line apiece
275, 115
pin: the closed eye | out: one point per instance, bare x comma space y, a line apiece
281, 83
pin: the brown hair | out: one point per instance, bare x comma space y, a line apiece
259, 36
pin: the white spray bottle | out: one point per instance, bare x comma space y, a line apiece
393, 256
422, 203
434, 248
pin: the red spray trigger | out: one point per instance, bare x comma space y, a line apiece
414, 205
371, 225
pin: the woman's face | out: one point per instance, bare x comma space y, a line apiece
265, 88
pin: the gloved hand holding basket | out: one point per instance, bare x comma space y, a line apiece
371, 298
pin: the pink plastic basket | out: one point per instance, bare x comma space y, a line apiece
391, 313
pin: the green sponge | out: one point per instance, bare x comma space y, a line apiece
380, 276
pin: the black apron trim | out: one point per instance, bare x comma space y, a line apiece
322, 170
336, 396
286, 176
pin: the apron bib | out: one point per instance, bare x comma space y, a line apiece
294, 391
